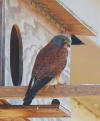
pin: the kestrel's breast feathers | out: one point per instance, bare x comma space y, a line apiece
50, 61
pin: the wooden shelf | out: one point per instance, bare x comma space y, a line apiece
51, 92
36, 111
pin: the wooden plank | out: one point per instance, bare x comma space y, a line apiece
68, 17
2, 41
5, 103
36, 111
52, 91
18, 119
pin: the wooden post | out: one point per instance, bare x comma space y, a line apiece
2, 41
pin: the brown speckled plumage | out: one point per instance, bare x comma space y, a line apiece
49, 63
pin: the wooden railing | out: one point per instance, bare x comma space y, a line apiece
18, 92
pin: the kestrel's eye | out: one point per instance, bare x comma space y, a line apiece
64, 40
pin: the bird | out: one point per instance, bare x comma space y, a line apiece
49, 64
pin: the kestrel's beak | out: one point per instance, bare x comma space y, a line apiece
67, 43
66, 46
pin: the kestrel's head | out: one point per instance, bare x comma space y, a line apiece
61, 41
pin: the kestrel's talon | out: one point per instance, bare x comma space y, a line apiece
54, 86
58, 83
37, 108
46, 87
64, 83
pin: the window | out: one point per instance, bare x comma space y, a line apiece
16, 56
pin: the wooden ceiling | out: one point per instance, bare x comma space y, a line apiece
69, 18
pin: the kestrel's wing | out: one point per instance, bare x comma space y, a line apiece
50, 60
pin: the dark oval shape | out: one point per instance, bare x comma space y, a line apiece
16, 56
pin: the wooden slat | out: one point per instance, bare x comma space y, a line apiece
76, 25
2, 41
36, 111
52, 91
5, 103
18, 119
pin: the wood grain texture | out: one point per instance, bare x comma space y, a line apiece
52, 92
5, 103
76, 26
0, 42
18, 111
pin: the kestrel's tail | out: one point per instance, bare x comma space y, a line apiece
31, 92
34, 86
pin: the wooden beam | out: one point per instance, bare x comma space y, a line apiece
2, 41
18, 119
5, 103
52, 91
76, 25
36, 111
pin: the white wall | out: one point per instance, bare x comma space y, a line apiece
36, 32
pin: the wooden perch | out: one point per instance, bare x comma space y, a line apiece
5, 103
52, 92
36, 111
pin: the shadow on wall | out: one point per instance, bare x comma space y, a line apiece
76, 41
